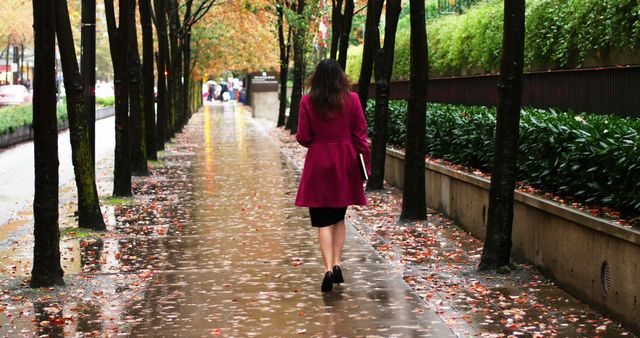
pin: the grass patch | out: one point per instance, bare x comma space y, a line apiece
119, 201
102, 102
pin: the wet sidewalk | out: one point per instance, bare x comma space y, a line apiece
210, 245
247, 264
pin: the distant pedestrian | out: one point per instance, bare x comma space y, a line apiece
224, 88
211, 90
332, 125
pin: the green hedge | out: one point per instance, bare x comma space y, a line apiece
591, 157
15, 117
559, 34
105, 101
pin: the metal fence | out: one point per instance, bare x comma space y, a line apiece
613, 91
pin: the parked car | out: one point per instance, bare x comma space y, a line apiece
13, 95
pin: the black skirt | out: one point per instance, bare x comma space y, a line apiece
322, 217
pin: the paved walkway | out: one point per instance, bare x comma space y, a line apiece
248, 263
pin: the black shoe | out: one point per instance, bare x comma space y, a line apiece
337, 274
327, 282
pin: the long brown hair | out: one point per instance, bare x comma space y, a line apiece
329, 87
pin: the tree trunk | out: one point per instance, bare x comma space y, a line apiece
285, 49
175, 65
89, 214
186, 64
299, 42
88, 71
147, 79
137, 129
383, 64
6, 76
163, 54
345, 32
21, 64
46, 270
118, 43
186, 77
371, 43
336, 27
414, 204
497, 245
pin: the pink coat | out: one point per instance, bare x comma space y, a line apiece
331, 175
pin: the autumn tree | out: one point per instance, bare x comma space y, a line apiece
46, 270
119, 43
193, 14
414, 204
371, 41
497, 245
219, 49
89, 214
383, 65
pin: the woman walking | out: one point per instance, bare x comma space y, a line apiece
332, 125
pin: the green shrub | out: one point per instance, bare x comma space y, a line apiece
559, 34
12, 118
15, 117
354, 62
105, 101
590, 157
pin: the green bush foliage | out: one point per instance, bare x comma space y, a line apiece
593, 158
354, 63
559, 34
105, 101
12, 118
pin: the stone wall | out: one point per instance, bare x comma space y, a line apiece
596, 260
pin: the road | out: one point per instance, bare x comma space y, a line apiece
17, 172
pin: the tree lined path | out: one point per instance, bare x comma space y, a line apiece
247, 263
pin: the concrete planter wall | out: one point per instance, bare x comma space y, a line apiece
596, 260
25, 133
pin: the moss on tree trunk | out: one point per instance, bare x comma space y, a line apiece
89, 214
